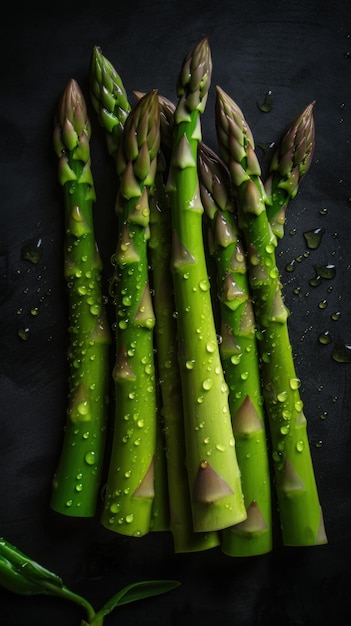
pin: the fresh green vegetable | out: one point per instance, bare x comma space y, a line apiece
109, 99
298, 501
213, 473
180, 521
290, 163
20, 574
240, 359
77, 478
130, 482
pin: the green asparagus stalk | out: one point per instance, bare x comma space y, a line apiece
298, 501
109, 99
180, 521
213, 473
290, 163
240, 359
22, 575
130, 482
77, 478
181, 526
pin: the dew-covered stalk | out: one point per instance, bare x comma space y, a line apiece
213, 472
180, 520
109, 99
77, 478
130, 482
239, 353
290, 163
298, 501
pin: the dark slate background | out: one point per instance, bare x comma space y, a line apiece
298, 50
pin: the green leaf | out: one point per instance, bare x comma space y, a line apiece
137, 591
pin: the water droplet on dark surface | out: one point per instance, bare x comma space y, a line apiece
314, 237
324, 338
267, 104
32, 251
342, 353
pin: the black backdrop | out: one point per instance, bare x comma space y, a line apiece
298, 50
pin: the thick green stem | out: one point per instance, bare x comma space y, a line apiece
130, 483
77, 478
239, 354
181, 526
213, 472
299, 507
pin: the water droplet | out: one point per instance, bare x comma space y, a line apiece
114, 507
326, 271
324, 338
314, 237
129, 518
90, 457
79, 487
324, 415
69, 503
300, 445
207, 384
335, 316
211, 346
32, 251
298, 406
342, 353
23, 333
295, 383
190, 364
83, 408
267, 103
34, 311
204, 284
323, 304
290, 267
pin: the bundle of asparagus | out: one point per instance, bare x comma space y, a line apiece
206, 392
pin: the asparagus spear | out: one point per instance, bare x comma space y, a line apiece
77, 478
298, 501
109, 99
214, 477
130, 482
181, 526
184, 538
290, 163
240, 359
